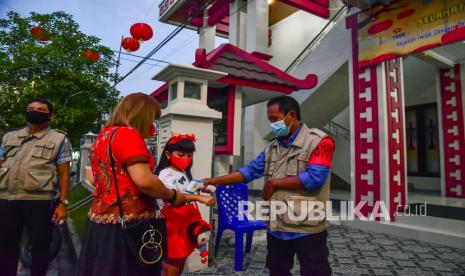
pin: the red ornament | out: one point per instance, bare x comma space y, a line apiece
40, 34
141, 31
380, 27
177, 137
130, 44
91, 55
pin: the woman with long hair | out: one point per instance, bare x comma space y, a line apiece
104, 251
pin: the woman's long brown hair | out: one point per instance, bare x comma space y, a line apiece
137, 110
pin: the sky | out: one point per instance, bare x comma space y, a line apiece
111, 19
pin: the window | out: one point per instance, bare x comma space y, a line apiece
174, 91
192, 90
219, 102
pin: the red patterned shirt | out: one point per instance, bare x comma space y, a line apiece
128, 148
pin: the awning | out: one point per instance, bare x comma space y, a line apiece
257, 79
250, 70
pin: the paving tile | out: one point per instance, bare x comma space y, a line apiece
356, 252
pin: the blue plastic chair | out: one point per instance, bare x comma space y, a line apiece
228, 198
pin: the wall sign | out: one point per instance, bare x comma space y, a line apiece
408, 26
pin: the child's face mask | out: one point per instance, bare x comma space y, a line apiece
180, 163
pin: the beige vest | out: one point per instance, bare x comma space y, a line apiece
29, 171
283, 162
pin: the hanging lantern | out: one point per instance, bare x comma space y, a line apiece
91, 55
130, 44
141, 31
40, 34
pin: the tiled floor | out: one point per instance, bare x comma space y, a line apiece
356, 252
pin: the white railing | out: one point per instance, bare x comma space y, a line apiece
338, 130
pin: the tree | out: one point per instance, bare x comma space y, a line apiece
80, 89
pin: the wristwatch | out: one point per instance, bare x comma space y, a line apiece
64, 202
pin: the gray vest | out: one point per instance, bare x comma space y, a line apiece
283, 162
29, 171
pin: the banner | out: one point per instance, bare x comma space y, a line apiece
404, 27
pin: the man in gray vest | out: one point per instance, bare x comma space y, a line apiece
296, 166
34, 161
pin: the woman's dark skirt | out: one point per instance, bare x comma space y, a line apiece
104, 253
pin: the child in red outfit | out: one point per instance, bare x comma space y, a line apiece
174, 170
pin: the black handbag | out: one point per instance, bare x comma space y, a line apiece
146, 239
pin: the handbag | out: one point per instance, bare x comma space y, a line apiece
146, 239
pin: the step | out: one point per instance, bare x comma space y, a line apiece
441, 231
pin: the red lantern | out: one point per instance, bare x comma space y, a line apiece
141, 31
91, 55
40, 34
130, 44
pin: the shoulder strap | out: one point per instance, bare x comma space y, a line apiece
122, 217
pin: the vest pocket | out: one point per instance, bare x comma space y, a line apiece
296, 164
303, 211
11, 148
43, 150
270, 165
39, 181
3, 178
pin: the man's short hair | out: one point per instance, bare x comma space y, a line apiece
286, 104
42, 101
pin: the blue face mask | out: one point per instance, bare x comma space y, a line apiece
279, 128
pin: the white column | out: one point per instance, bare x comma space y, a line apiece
237, 23
207, 34
378, 168
392, 151
257, 26
451, 97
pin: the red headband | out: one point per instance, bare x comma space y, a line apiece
177, 137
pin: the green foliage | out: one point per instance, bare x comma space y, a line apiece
79, 215
80, 90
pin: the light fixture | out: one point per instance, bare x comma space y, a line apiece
270, 2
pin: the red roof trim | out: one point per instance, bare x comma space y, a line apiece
317, 7
262, 56
160, 89
255, 84
218, 11
202, 60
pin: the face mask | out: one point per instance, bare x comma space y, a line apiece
152, 131
36, 117
279, 128
180, 163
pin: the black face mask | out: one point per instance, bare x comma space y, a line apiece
36, 117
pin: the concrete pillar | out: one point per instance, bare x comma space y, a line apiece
238, 23
207, 34
84, 164
255, 143
392, 137
378, 171
365, 160
451, 111
257, 26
